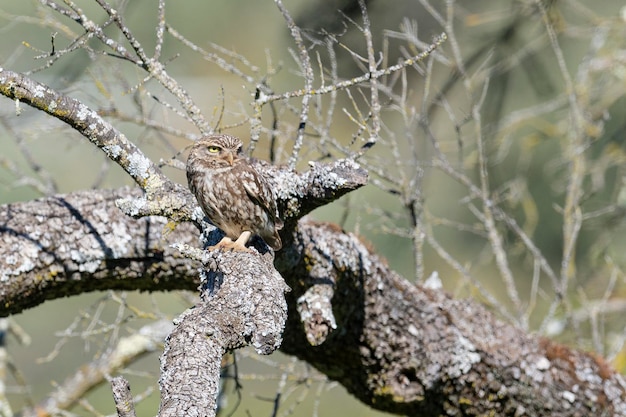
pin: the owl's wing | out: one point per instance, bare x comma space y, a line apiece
260, 192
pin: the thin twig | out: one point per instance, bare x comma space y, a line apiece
372, 66
305, 65
160, 30
572, 212
437, 41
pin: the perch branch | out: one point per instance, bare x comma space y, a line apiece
242, 303
69, 244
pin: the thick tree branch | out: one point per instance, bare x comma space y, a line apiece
412, 350
394, 345
242, 303
70, 244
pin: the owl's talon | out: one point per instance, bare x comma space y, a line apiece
226, 241
227, 244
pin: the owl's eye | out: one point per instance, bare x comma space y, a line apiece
214, 149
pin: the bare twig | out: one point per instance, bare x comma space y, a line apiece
305, 65
372, 67
572, 212
495, 238
122, 397
437, 41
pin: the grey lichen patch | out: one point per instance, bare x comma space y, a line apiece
108, 240
197, 214
568, 396
531, 369
120, 243
614, 392
433, 282
464, 358
139, 166
132, 206
196, 254
290, 189
89, 266
345, 260
350, 164
84, 113
154, 185
316, 313
542, 364
331, 180
588, 374
113, 151
23, 258
39, 91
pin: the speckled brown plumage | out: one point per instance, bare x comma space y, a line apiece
232, 193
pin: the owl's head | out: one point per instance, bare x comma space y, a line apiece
221, 150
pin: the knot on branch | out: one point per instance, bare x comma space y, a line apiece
316, 312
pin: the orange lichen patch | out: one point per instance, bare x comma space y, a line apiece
554, 351
558, 353
605, 371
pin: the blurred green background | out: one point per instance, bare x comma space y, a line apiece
487, 31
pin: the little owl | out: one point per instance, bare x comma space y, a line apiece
232, 193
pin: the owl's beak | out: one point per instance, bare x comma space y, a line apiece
230, 158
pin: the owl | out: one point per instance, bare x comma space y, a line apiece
232, 193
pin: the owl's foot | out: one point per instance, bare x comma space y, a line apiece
238, 245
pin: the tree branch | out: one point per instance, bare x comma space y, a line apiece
413, 350
122, 397
395, 346
70, 244
163, 197
243, 303
87, 122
